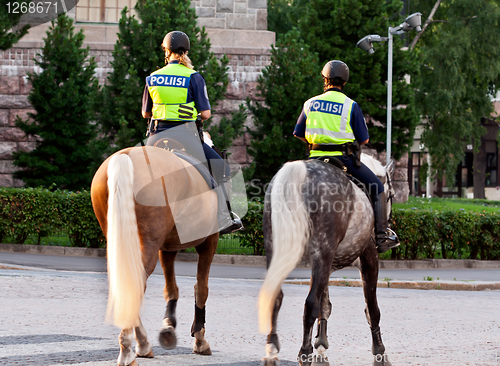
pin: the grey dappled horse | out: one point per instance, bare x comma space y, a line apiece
313, 206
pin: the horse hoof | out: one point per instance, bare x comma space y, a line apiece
381, 360
134, 363
205, 352
270, 361
167, 338
149, 355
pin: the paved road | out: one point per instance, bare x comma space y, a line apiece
93, 264
57, 318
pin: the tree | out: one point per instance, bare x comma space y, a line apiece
63, 96
138, 52
283, 15
460, 73
8, 21
291, 79
332, 28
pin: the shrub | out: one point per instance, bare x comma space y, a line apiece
38, 211
423, 233
252, 235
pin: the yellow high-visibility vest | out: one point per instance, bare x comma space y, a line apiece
328, 121
168, 88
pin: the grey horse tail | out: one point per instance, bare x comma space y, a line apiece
290, 230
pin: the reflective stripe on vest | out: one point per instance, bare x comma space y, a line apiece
168, 88
328, 121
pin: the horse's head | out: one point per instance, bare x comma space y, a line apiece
384, 173
388, 188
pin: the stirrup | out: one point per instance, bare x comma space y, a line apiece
236, 225
391, 241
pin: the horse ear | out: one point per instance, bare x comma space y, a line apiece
389, 168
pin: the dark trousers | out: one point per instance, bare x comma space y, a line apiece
188, 137
363, 174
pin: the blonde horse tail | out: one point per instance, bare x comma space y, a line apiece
290, 230
127, 277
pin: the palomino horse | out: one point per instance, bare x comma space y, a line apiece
313, 206
142, 198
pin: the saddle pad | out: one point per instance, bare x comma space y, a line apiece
202, 169
340, 165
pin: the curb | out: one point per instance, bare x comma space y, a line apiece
52, 250
254, 260
414, 285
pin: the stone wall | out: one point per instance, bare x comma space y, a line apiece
232, 14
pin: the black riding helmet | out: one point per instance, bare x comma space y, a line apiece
336, 71
176, 41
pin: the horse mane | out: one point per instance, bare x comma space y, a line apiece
374, 165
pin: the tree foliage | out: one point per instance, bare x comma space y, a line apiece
291, 79
460, 73
327, 30
138, 52
9, 33
63, 96
283, 15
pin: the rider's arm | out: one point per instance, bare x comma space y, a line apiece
205, 114
198, 89
147, 103
358, 125
300, 127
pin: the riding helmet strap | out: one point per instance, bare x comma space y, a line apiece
199, 320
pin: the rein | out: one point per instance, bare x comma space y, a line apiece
391, 193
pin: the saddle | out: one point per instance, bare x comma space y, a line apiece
178, 149
337, 163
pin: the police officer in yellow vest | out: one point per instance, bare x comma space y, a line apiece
173, 97
330, 122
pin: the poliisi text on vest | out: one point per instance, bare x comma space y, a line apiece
327, 107
168, 80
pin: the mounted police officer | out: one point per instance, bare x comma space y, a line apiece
173, 98
334, 125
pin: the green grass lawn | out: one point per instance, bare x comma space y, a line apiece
228, 244
436, 203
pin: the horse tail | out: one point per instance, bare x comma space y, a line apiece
127, 277
290, 233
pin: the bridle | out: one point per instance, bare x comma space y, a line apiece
391, 193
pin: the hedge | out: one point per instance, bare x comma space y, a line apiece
424, 233
42, 212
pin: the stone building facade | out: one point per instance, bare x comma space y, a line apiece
237, 28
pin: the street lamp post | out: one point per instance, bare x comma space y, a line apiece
366, 43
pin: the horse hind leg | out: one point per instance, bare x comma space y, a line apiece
369, 275
321, 344
143, 347
273, 344
167, 337
127, 355
321, 265
206, 252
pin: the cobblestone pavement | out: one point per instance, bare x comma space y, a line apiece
57, 318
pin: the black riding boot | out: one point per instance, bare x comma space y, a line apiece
228, 221
385, 238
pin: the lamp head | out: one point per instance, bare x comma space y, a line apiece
414, 21
365, 44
